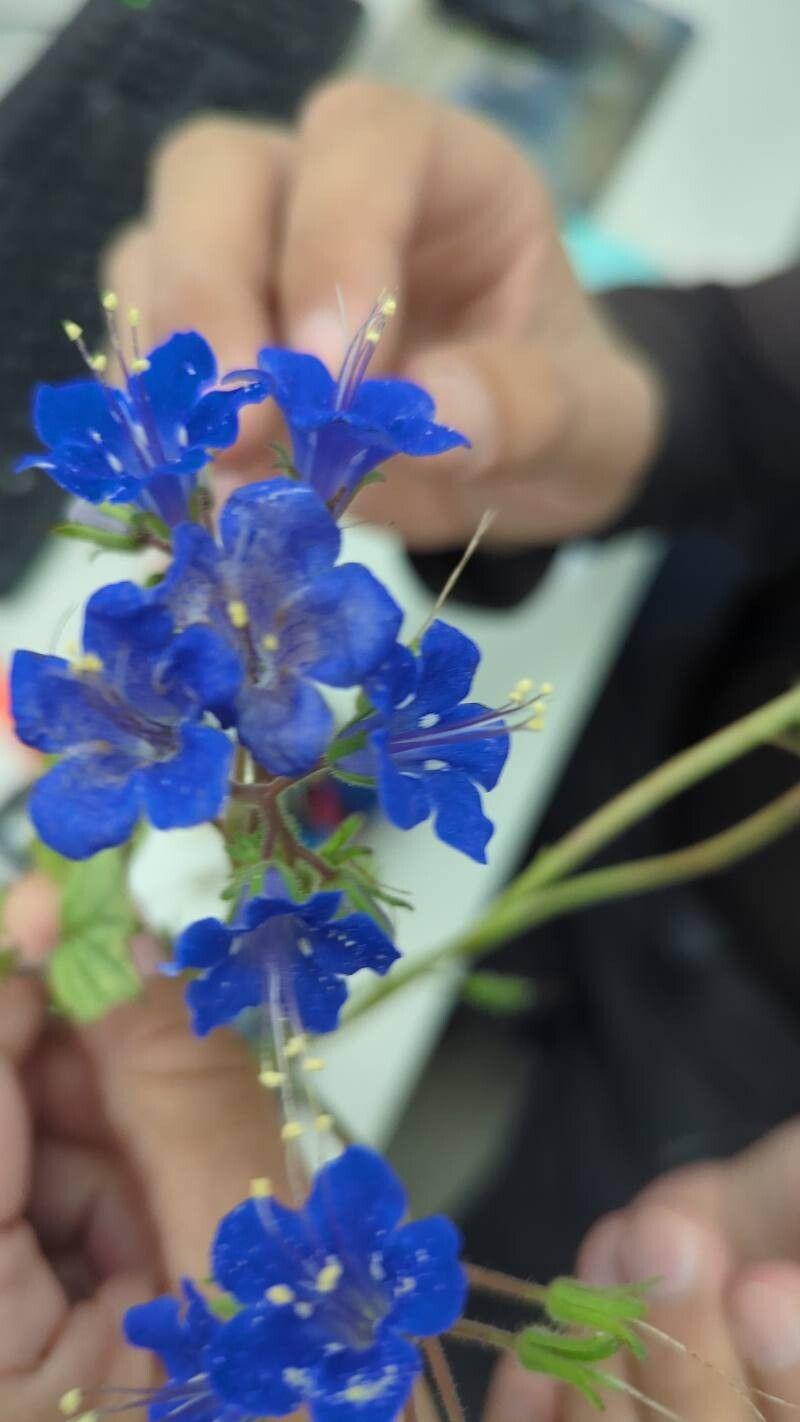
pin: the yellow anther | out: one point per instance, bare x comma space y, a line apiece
524, 686
72, 330
389, 305
292, 1130
372, 335
363, 1392
110, 300
99, 362
70, 1402
313, 1063
280, 1294
139, 365
260, 1188
238, 614
323, 1121
535, 724
328, 1276
134, 316
547, 688
271, 1079
269, 642
88, 662
89, 1417
296, 1045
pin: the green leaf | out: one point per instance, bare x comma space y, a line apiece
146, 522
347, 745
91, 970
122, 513
334, 847
500, 994
100, 537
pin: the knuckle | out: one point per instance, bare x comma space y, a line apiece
185, 144
352, 99
122, 247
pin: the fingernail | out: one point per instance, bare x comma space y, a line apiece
599, 1258
464, 404
322, 334
662, 1245
766, 1322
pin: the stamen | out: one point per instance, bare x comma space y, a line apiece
313, 1063
70, 1402
134, 317
547, 688
72, 330
359, 352
238, 614
271, 1079
87, 662
110, 301
139, 365
260, 1188
292, 1130
269, 642
323, 1122
99, 363
328, 1276
296, 1045
280, 1294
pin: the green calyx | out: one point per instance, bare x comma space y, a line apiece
606, 1311
571, 1360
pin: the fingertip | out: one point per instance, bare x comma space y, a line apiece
31, 917
517, 1395
764, 1311
464, 403
598, 1258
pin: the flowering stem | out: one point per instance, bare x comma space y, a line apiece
493, 1281
669, 780
469, 1330
443, 1379
513, 912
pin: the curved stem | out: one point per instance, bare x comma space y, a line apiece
493, 1281
514, 912
670, 779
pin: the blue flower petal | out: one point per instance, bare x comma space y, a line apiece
54, 709
460, 820
252, 1356
193, 589
214, 423
404, 798
427, 1281
355, 1200
67, 414
191, 787
319, 994
203, 944
86, 803
340, 626
447, 666
421, 439
346, 945
158, 1326
287, 727
258, 1244
127, 630
367, 1386
85, 472
278, 535
299, 382
202, 665
177, 374
394, 680
222, 993
319, 908
482, 757
380, 402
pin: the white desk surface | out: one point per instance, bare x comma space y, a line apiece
709, 185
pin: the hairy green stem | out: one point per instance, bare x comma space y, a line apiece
513, 912
677, 774
493, 1281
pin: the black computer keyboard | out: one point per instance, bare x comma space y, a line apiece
74, 139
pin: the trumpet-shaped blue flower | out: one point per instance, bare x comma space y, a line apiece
294, 618
332, 1294
295, 955
146, 443
126, 714
425, 746
342, 429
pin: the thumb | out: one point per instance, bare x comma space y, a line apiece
194, 1123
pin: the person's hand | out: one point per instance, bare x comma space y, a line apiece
122, 1145
249, 232
725, 1241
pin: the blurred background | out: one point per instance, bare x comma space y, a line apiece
669, 135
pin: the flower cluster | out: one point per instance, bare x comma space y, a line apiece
199, 697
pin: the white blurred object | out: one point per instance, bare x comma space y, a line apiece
178, 876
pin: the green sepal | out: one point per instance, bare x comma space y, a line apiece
283, 460
571, 1360
146, 522
121, 513
337, 847
500, 994
299, 878
346, 745
100, 537
91, 969
609, 1311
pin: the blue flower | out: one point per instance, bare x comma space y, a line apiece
293, 617
183, 1337
332, 1294
301, 953
144, 444
127, 716
425, 746
342, 429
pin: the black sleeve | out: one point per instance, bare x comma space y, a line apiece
729, 456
